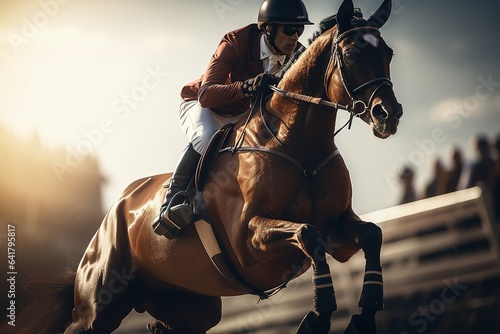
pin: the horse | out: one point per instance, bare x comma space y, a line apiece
278, 200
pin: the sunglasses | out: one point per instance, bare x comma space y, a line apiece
290, 30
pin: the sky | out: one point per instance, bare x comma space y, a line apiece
104, 77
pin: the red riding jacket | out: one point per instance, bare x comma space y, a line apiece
236, 59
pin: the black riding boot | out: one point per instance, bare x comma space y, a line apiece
176, 214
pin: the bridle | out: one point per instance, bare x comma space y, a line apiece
384, 81
336, 57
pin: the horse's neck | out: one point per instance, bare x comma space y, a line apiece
309, 124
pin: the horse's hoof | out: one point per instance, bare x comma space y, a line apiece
313, 324
361, 325
158, 327
350, 329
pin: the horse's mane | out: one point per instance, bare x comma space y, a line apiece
325, 25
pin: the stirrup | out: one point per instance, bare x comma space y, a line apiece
174, 218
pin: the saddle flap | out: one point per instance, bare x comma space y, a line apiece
211, 153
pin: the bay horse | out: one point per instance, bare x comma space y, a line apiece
278, 201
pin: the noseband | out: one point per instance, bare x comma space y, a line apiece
336, 56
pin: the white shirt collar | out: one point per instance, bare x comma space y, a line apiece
265, 52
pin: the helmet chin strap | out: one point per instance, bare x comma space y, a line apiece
270, 38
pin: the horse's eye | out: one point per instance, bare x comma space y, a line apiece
349, 57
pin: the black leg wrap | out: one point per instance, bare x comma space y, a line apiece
373, 289
371, 300
318, 322
324, 293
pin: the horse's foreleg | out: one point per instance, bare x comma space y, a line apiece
279, 235
371, 300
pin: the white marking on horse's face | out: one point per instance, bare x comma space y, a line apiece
371, 39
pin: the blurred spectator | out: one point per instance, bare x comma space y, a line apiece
482, 170
453, 175
438, 182
496, 180
406, 178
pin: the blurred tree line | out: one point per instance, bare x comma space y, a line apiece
54, 217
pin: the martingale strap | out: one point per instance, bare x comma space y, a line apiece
285, 156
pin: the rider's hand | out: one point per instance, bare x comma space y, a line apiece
261, 82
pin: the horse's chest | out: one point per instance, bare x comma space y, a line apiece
275, 185
316, 204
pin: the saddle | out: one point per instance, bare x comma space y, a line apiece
208, 157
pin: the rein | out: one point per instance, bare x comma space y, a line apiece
320, 101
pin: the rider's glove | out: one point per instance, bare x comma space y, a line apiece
260, 83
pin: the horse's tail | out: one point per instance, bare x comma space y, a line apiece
43, 303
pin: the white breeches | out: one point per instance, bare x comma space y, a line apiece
200, 124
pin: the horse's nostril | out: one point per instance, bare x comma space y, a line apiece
379, 112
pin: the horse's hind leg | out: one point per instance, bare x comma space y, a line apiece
184, 312
100, 308
104, 282
371, 301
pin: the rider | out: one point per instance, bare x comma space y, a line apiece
238, 70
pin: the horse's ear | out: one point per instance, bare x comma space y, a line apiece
381, 15
344, 15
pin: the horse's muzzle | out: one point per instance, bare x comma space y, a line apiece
385, 119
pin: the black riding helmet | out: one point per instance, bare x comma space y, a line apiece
274, 12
